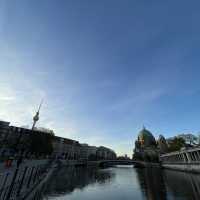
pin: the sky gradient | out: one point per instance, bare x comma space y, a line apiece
104, 68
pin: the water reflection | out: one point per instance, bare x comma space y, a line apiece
152, 183
157, 184
183, 185
67, 179
123, 183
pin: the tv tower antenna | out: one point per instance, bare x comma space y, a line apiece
37, 115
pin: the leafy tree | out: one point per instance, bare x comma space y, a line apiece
176, 144
41, 143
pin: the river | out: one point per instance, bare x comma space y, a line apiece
121, 183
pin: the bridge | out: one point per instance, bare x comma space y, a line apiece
103, 163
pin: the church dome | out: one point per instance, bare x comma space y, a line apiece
162, 144
161, 138
146, 138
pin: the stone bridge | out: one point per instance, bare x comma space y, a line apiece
102, 163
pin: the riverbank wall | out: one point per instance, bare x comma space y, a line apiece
189, 167
146, 165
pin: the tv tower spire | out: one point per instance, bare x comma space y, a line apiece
37, 115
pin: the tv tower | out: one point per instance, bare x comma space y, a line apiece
36, 117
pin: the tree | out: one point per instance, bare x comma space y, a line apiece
41, 143
176, 144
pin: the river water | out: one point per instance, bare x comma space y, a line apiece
122, 183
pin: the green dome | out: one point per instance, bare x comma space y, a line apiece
146, 138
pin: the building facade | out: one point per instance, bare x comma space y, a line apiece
146, 147
162, 144
17, 140
13, 139
66, 148
88, 152
104, 153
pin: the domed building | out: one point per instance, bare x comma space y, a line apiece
146, 147
146, 138
162, 144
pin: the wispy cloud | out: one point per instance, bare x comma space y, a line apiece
148, 88
138, 100
7, 98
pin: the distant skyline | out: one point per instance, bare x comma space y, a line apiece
104, 68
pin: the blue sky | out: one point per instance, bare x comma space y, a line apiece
104, 68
